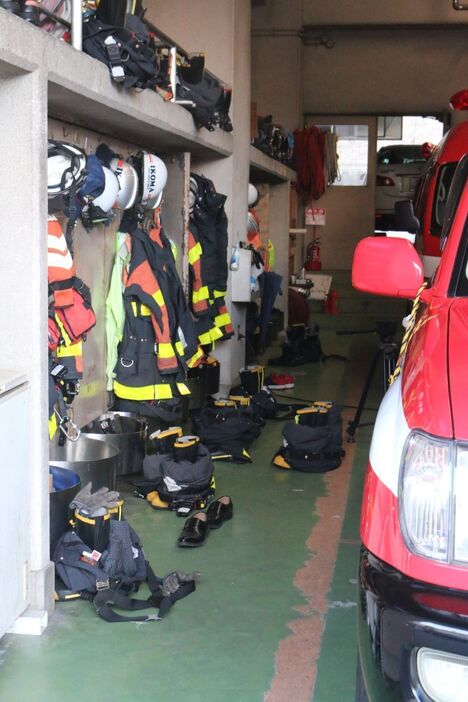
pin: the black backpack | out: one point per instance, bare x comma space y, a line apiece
107, 579
128, 51
211, 101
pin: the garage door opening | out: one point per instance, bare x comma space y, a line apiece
402, 149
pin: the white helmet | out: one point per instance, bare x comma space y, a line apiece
158, 200
253, 195
107, 199
153, 178
193, 193
66, 166
128, 183
252, 224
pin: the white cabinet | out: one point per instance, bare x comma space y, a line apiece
14, 499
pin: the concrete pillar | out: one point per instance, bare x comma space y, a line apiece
224, 36
23, 289
277, 61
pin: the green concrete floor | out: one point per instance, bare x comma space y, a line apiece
220, 643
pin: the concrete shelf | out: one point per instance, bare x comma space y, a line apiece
264, 169
80, 91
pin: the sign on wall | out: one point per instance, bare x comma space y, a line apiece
315, 216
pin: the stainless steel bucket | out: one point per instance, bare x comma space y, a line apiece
94, 461
127, 432
65, 485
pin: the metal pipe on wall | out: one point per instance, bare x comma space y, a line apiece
457, 5
77, 25
323, 40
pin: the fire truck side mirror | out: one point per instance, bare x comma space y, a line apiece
385, 266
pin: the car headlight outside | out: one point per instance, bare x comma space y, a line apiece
443, 676
433, 499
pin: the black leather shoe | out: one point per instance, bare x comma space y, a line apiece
195, 531
219, 512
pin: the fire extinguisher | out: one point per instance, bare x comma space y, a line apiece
313, 262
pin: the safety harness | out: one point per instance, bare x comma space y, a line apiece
106, 579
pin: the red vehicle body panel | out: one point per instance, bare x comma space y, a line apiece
433, 397
381, 534
458, 363
450, 149
425, 392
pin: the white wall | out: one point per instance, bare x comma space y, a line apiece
349, 210
202, 26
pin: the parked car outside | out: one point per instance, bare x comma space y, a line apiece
413, 578
399, 169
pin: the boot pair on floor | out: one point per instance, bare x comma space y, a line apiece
197, 527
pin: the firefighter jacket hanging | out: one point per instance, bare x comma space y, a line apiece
71, 317
208, 265
159, 342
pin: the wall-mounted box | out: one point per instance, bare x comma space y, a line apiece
240, 278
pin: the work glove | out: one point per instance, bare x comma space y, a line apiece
95, 504
173, 581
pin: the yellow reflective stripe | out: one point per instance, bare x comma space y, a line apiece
183, 389
69, 351
179, 348
202, 294
53, 425
158, 296
215, 334
222, 319
195, 358
166, 350
140, 310
147, 392
205, 338
63, 333
195, 253
87, 520
219, 293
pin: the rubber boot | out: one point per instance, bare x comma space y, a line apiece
162, 440
29, 12
252, 379
11, 6
186, 448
